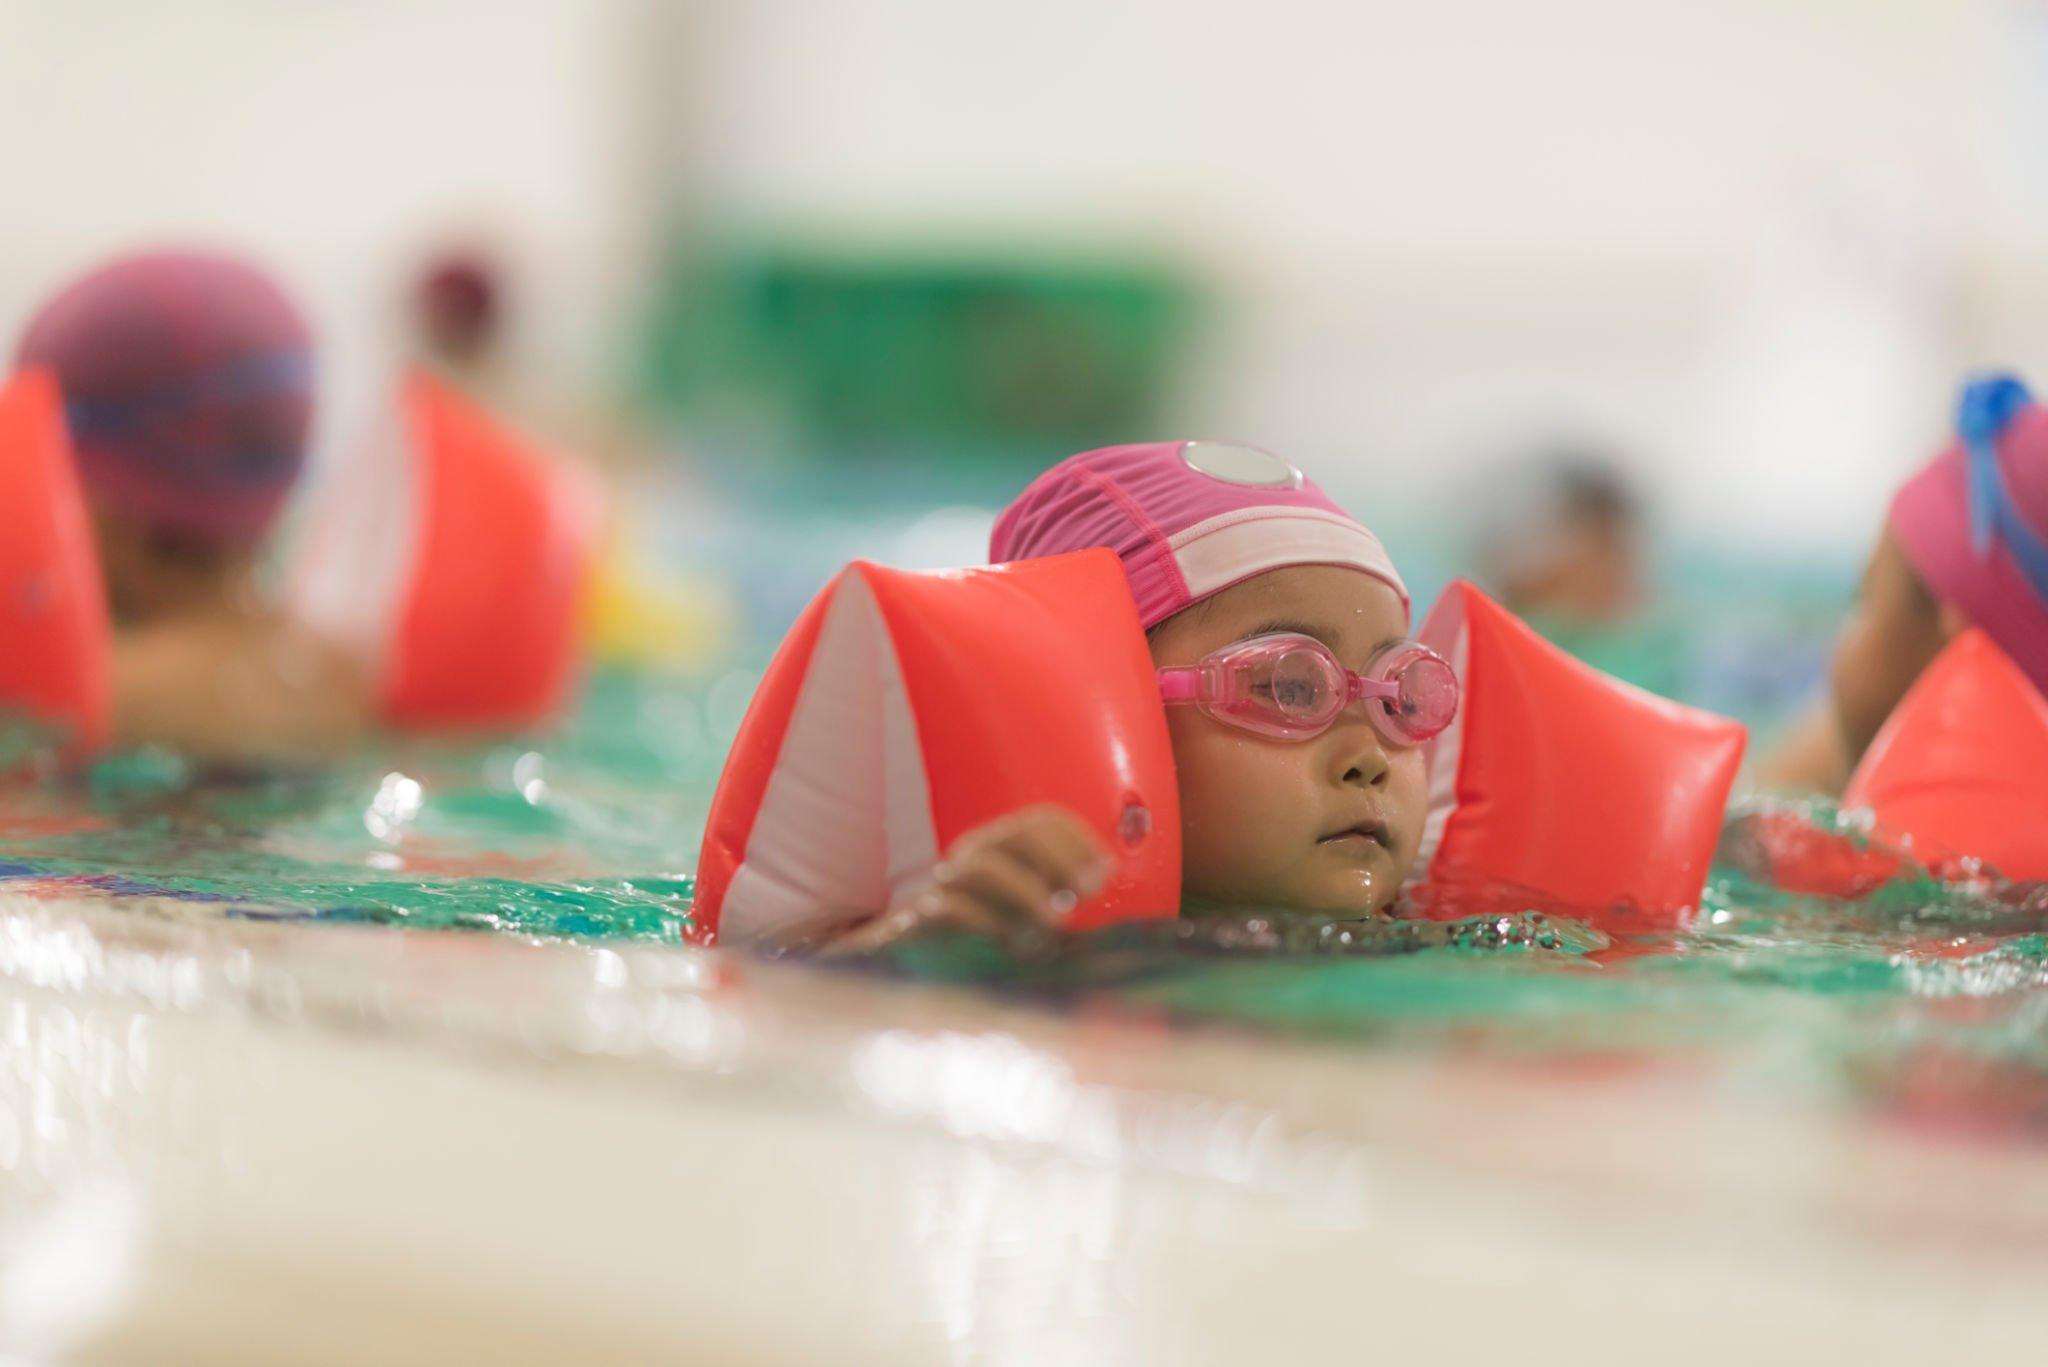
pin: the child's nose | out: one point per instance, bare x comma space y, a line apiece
1363, 761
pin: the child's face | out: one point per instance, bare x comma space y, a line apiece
150, 574
1278, 823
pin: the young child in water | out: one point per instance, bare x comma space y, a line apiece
187, 388
1313, 796
1965, 544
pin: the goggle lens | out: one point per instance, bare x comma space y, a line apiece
1427, 699
1303, 689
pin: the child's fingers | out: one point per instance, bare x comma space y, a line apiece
999, 881
990, 834
1061, 849
962, 910
1013, 878
935, 906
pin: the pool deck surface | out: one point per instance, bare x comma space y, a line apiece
238, 1142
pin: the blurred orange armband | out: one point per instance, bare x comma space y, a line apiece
54, 647
458, 556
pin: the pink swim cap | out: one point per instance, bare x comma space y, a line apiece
1188, 519
1974, 520
188, 389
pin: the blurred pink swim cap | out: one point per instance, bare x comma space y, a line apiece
1188, 519
1974, 520
188, 389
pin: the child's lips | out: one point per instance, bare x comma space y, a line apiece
1371, 833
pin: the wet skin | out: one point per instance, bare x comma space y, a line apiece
1328, 825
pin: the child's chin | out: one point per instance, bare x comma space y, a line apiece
1346, 892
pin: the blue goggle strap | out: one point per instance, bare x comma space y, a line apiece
1987, 407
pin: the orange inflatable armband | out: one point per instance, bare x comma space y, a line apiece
1559, 782
905, 709
1798, 856
460, 559
1960, 769
54, 649
488, 635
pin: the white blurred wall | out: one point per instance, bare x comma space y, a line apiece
334, 139
1751, 241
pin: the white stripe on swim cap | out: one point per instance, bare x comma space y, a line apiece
1230, 547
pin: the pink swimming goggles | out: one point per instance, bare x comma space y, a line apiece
1291, 687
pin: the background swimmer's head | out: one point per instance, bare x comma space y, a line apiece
1560, 539
187, 384
458, 308
1220, 543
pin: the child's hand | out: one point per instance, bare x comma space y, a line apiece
1015, 878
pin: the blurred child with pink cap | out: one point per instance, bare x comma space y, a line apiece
187, 386
1965, 544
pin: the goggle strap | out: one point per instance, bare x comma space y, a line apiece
1181, 683
1987, 408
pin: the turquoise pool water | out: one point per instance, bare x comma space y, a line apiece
1922, 1001
589, 834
